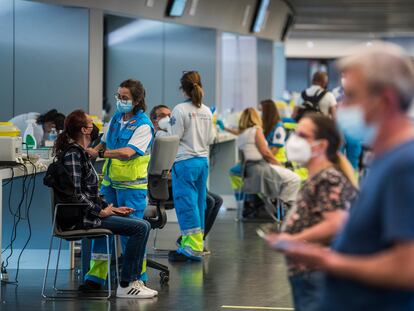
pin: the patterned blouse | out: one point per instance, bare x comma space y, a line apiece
329, 190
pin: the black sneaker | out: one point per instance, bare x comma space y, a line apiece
177, 257
90, 286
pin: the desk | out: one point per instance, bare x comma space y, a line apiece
35, 255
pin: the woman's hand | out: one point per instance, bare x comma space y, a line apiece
92, 152
311, 254
123, 211
107, 211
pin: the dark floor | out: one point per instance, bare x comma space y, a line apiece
241, 271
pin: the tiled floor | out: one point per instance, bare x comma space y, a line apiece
241, 271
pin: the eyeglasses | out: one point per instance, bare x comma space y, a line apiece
123, 99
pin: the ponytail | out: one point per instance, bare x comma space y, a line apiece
197, 95
342, 164
192, 87
61, 144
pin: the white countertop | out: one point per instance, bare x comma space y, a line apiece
224, 137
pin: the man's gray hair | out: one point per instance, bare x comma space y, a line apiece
384, 65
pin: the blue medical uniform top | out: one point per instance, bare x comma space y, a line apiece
119, 137
382, 215
277, 136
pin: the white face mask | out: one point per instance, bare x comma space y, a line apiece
164, 123
298, 150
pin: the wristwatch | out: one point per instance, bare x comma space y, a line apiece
101, 153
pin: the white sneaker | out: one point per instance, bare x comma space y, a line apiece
134, 290
141, 283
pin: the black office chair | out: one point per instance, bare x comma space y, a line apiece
67, 211
163, 155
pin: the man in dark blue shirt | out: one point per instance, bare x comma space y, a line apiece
371, 266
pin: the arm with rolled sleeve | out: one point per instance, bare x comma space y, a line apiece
137, 144
141, 139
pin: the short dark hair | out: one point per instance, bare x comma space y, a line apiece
153, 113
52, 116
319, 78
138, 93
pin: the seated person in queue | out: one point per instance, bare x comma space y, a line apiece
43, 125
100, 214
252, 142
160, 118
276, 135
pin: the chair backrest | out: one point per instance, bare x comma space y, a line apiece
65, 214
164, 151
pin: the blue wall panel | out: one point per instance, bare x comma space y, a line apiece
134, 49
6, 59
279, 70
297, 75
51, 57
189, 48
264, 69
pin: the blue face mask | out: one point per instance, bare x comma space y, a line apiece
351, 122
124, 106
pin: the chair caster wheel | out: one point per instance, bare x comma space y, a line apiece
164, 277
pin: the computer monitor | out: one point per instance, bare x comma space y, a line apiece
176, 8
260, 15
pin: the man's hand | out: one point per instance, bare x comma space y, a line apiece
123, 211
92, 152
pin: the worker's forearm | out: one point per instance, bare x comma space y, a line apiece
385, 269
121, 153
100, 146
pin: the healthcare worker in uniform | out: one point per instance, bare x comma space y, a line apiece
192, 122
125, 146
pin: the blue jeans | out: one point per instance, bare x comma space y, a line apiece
307, 290
138, 231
